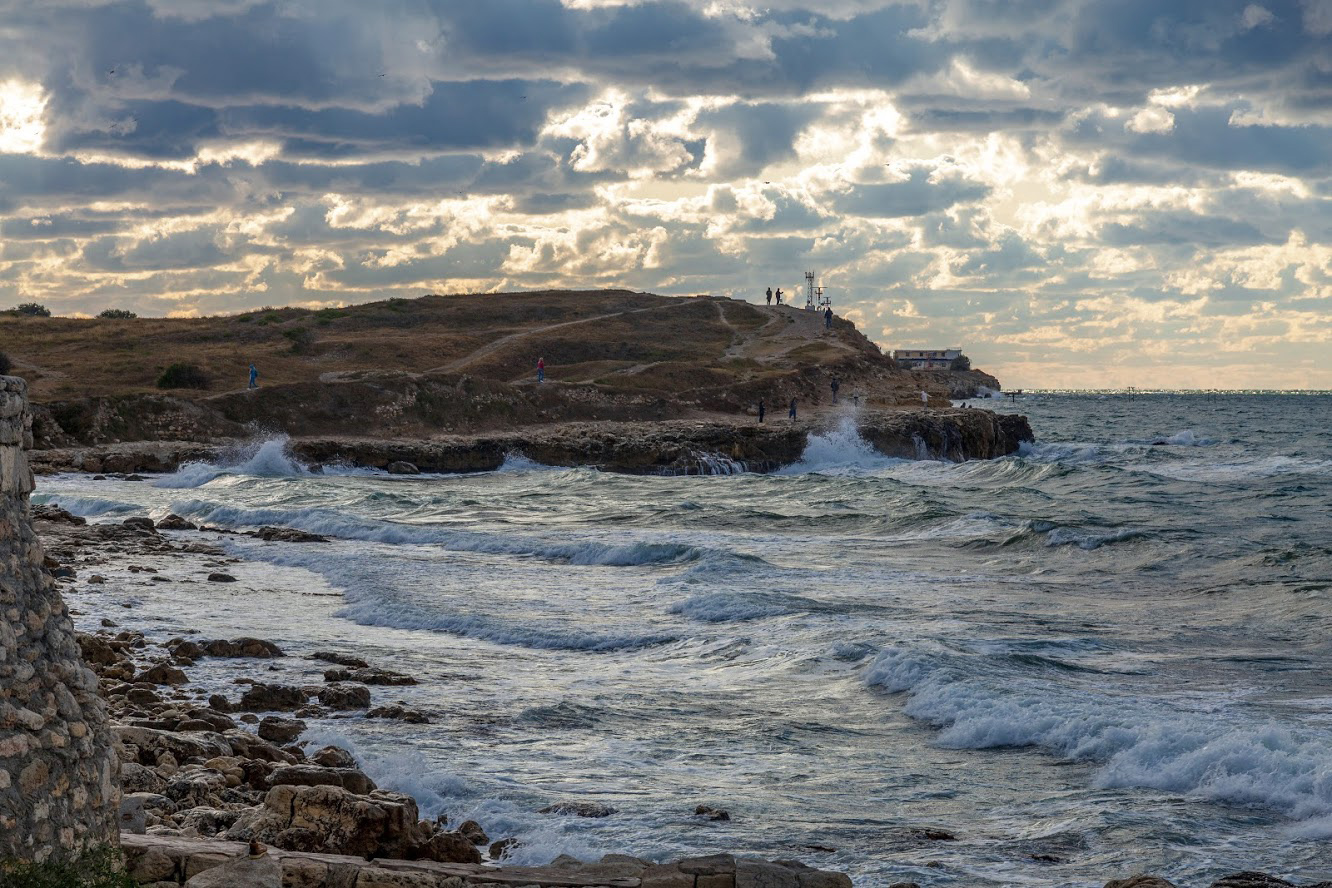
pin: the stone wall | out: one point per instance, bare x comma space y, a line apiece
58, 774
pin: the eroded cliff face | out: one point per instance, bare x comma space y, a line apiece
58, 774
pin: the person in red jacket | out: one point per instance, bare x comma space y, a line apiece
541, 369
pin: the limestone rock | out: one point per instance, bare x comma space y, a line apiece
401, 467
340, 659
333, 820
175, 522
333, 757
280, 730
349, 779
1251, 880
262, 871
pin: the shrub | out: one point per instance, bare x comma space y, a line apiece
98, 868
182, 376
961, 362
120, 314
32, 309
301, 339
5, 365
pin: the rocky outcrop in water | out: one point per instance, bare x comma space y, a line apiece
684, 447
58, 789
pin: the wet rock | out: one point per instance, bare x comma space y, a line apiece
56, 515
447, 847
339, 659
502, 847
344, 696
288, 535
220, 703
221, 578
280, 730
175, 522
350, 779
185, 650
400, 713
578, 809
249, 746
933, 835
711, 813
270, 698
242, 647
370, 675
472, 832
1251, 880
333, 757
139, 523
162, 674
1140, 880
401, 467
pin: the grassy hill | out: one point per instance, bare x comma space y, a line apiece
445, 363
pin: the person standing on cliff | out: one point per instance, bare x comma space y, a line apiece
791, 413
827, 318
770, 295
762, 410
779, 295
924, 399
541, 369
835, 385
254, 377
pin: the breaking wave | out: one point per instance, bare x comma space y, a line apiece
1214, 755
269, 459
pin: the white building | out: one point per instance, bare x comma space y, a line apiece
927, 358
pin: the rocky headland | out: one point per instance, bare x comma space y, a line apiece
633, 383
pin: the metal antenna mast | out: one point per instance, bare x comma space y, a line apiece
814, 297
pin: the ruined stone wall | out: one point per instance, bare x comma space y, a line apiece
58, 774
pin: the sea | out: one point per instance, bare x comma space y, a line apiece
1108, 653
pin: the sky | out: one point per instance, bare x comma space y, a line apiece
1080, 194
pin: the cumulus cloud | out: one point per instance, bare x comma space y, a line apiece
1056, 184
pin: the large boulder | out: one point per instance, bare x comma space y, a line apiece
332, 820
272, 698
242, 647
349, 779
338, 696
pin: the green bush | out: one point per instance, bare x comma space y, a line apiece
301, 339
5, 364
99, 868
32, 309
961, 362
118, 314
183, 376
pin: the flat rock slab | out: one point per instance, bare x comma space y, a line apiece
160, 858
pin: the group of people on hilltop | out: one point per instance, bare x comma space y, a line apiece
779, 295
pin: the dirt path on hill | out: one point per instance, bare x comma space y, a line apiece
492, 347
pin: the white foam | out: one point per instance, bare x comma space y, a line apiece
87, 506
267, 459
517, 462
1216, 755
840, 451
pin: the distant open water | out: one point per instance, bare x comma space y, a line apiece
1107, 654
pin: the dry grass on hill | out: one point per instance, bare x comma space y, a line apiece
613, 339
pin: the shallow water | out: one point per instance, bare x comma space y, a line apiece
1106, 654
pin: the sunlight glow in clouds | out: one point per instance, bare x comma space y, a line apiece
21, 108
1083, 192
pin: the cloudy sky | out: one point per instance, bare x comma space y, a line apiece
1082, 193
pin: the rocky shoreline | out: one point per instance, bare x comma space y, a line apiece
682, 447
204, 774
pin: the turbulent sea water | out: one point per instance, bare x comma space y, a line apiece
1109, 653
